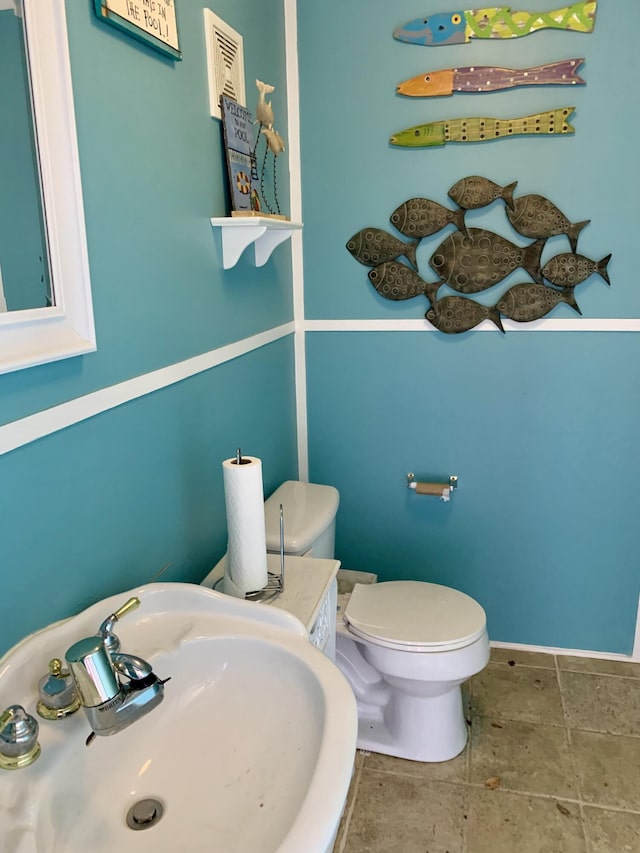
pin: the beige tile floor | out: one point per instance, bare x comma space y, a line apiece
558, 740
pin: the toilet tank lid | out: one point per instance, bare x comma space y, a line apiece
309, 509
415, 613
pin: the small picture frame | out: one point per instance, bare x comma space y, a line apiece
239, 145
153, 22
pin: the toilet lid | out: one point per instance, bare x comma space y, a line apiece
414, 615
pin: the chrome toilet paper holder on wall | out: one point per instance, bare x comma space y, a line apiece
440, 490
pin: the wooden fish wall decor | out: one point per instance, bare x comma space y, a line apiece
496, 22
487, 78
482, 129
474, 260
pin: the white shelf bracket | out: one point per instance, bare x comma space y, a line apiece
238, 233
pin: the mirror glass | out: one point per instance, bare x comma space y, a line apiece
25, 279
47, 312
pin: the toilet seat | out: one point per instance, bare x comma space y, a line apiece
414, 616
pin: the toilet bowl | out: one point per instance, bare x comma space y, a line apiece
406, 647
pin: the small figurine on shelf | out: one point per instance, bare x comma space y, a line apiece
273, 142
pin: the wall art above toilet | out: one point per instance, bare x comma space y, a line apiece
489, 78
475, 260
497, 22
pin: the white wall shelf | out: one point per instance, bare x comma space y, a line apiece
265, 233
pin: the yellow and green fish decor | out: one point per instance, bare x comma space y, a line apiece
488, 78
494, 22
482, 129
471, 261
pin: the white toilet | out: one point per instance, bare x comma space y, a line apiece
405, 647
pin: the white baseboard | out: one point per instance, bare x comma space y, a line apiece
578, 653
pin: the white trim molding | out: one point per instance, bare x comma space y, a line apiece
578, 653
297, 261
23, 431
636, 640
586, 325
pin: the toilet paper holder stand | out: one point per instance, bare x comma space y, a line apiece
275, 583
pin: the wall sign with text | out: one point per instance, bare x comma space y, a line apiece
151, 21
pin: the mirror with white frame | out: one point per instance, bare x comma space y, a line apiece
54, 320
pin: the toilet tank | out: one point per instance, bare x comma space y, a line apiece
309, 519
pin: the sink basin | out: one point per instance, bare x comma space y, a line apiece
251, 750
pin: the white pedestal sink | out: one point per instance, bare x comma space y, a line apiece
251, 750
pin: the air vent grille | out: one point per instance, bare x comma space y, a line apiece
225, 59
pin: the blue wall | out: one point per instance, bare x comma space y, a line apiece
100, 507
540, 427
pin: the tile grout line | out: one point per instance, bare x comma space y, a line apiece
565, 714
347, 822
466, 803
572, 671
466, 800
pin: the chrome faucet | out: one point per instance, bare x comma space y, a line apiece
115, 689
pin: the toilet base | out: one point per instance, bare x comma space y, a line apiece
430, 730
417, 720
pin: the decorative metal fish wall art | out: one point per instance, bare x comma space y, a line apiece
475, 191
494, 22
473, 260
534, 216
488, 78
527, 302
484, 129
421, 217
373, 246
397, 281
477, 262
455, 314
569, 270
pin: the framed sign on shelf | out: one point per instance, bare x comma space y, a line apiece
150, 21
239, 144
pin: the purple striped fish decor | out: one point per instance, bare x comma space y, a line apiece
488, 78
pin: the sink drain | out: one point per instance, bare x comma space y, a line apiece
144, 814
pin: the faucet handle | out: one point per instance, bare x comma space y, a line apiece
127, 607
58, 694
111, 642
19, 745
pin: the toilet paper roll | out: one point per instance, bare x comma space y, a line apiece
442, 490
246, 569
